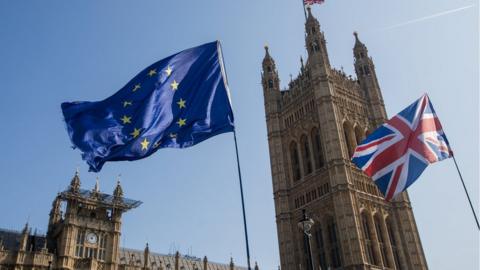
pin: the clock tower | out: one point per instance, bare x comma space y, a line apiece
84, 227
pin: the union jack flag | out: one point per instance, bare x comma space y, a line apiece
397, 152
311, 2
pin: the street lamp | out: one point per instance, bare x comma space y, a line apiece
306, 225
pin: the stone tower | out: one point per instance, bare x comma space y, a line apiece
313, 128
84, 227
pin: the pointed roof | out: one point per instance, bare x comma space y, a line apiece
267, 60
310, 18
358, 43
75, 183
118, 192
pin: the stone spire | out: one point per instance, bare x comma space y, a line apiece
24, 237
367, 77
268, 63
205, 263
75, 183
316, 45
146, 257
96, 188
256, 266
177, 260
97, 185
232, 265
118, 192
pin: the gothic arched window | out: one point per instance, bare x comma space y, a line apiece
294, 159
322, 260
359, 135
349, 138
381, 240
317, 148
368, 239
334, 244
307, 162
270, 83
394, 245
315, 46
366, 70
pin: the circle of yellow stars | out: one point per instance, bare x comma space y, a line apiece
137, 131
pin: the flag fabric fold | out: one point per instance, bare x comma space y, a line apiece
176, 102
397, 153
311, 2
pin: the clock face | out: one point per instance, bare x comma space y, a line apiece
92, 238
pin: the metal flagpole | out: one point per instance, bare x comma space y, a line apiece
304, 11
243, 202
222, 66
466, 192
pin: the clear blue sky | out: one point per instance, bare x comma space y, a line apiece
55, 51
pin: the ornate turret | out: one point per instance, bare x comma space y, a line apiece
367, 77
177, 260
24, 238
118, 192
270, 74
316, 45
205, 263
96, 189
75, 183
270, 83
146, 257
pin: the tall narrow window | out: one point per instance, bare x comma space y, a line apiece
321, 247
368, 239
334, 244
393, 243
367, 70
317, 149
359, 135
79, 244
295, 161
347, 132
270, 83
381, 241
102, 247
307, 162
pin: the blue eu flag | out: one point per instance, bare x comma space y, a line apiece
176, 102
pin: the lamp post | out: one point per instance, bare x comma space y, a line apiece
306, 225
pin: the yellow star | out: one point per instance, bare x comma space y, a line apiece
126, 120
174, 85
127, 103
168, 71
152, 72
181, 104
137, 86
135, 133
145, 144
173, 135
182, 122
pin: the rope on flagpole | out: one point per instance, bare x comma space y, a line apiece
243, 201
466, 192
